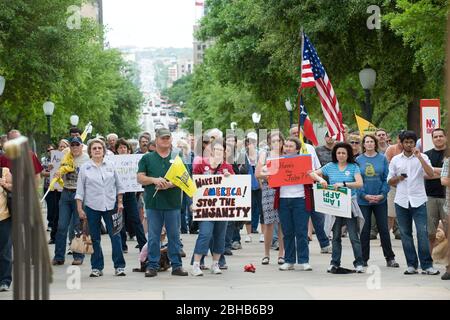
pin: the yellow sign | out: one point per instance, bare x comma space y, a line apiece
179, 176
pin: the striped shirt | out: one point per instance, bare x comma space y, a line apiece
444, 173
335, 175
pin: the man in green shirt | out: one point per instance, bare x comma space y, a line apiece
162, 204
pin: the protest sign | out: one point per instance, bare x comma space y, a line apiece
117, 220
289, 171
126, 166
333, 202
220, 198
55, 160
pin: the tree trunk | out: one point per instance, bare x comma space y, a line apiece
414, 116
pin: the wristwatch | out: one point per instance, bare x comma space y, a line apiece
345, 184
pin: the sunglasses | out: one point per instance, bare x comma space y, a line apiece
75, 144
354, 142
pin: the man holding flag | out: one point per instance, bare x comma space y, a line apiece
163, 201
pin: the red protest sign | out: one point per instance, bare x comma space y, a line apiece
289, 171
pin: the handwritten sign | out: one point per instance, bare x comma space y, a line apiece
289, 171
220, 198
333, 202
126, 167
55, 160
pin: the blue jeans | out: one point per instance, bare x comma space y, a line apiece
5, 252
256, 208
405, 218
294, 223
211, 231
67, 213
381, 215
318, 220
352, 228
186, 203
230, 230
131, 219
156, 219
94, 220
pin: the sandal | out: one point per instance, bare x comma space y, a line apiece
265, 260
280, 260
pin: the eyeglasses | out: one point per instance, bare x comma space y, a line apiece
97, 148
354, 142
74, 144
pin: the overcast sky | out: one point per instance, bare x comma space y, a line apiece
149, 23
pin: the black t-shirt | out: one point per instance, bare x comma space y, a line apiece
434, 187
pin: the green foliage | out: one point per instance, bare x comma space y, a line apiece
256, 55
41, 58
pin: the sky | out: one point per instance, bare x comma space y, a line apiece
149, 23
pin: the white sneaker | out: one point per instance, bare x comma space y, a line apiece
215, 269
327, 249
431, 271
120, 272
261, 238
196, 271
248, 239
4, 287
359, 269
305, 267
286, 267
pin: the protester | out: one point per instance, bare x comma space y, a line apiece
112, 140
372, 198
270, 214
162, 203
407, 171
294, 213
130, 210
324, 152
143, 144
211, 232
98, 190
433, 187
445, 181
67, 204
355, 142
5, 231
382, 137
344, 172
50, 198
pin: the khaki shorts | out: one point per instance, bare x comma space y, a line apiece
390, 203
435, 213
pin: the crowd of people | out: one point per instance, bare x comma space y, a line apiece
392, 186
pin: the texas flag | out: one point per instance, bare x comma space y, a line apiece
306, 124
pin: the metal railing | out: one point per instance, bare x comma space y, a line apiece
32, 271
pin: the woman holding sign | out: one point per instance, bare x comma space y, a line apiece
343, 172
270, 214
372, 198
211, 230
98, 188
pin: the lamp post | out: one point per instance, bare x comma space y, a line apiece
256, 117
367, 77
74, 119
49, 107
289, 108
2, 85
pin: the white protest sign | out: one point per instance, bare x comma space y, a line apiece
220, 198
333, 202
127, 167
55, 159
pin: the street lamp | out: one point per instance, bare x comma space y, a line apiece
49, 107
2, 85
289, 108
74, 119
367, 77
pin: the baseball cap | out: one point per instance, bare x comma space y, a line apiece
76, 140
163, 132
252, 135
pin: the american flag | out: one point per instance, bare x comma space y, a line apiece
314, 74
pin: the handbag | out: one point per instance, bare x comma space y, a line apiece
82, 242
8, 195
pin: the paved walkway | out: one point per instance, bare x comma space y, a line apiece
267, 283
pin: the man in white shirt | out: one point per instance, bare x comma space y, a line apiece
407, 171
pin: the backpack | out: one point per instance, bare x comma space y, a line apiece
8, 195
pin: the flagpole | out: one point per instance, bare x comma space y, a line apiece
299, 99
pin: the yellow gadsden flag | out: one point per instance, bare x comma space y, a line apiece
179, 176
67, 165
364, 126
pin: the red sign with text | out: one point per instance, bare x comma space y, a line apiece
289, 171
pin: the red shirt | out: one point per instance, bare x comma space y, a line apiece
5, 162
200, 164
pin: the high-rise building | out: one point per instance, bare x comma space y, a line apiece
185, 67
93, 9
199, 46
